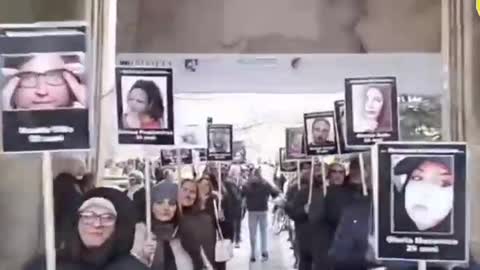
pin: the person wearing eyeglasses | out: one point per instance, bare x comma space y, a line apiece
43, 82
103, 236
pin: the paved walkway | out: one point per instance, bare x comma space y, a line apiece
281, 256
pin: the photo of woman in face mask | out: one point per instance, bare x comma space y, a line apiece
372, 108
144, 106
44, 81
424, 201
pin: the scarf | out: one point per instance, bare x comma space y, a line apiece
164, 258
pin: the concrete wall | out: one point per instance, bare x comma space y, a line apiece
466, 100
21, 223
279, 26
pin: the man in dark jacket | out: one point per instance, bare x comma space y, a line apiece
311, 229
257, 192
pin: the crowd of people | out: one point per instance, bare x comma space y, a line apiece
106, 228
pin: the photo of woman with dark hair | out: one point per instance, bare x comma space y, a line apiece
295, 143
145, 107
44, 81
423, 199
372, 107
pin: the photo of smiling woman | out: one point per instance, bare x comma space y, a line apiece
145, 107
423, 197
372, 108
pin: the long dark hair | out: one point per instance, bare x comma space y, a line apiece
155, 107
402, 219
187, 234
196, 204
384, 117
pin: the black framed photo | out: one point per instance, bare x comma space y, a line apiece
295, 143
320, 133
45, 87
145, 105
191, 136
220, 142
239, 152
199, 155
286, 166
169, 157
421, 201
186, 156
371, 110
340, 129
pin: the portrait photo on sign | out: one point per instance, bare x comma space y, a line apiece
199, 155
44, 81
168, 157
144, 102
295, 143
219, 140
239, 152
186, 156
44, 84
340, 126
191, 135
372, 107
286, 166
423, 194
320, 131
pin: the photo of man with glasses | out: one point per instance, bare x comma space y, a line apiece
44, 81
44, 84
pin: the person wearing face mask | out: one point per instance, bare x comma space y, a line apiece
425, 200
103, 235
145, 106
375, 113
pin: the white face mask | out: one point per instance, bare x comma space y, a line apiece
427, 204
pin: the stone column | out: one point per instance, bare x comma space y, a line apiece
461, 50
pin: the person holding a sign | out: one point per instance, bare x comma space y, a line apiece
297, 208
164, 251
